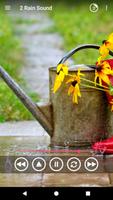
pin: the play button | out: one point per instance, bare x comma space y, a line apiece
25, 193
91, 164
39, 164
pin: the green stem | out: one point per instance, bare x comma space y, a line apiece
94, 83
90, 81
94, 87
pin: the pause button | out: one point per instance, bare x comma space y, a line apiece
56, 164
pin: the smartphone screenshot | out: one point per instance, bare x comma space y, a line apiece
56, 99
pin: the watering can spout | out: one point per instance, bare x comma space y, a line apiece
41, 113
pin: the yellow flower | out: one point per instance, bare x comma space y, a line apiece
106, 47
103, 51
74, 88
63, 68
62, 71
102, 71
109, 42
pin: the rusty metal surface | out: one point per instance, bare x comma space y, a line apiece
82, 124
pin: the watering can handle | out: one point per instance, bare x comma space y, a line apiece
78, 48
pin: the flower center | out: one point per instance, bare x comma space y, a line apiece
99, 68
74, 83
104, 42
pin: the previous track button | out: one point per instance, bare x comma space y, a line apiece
21, 164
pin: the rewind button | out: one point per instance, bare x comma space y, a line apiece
21, 164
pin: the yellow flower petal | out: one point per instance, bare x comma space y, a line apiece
110, 38
62, 67
70, 80
65, 70
109, 45
79, 73
75, 99
61, 76
103, 51
76, 94
62, 70
57, 84
106, 71
100, 60
100, 81
70, 90
105, 78
78, 90
106, 64
59, 67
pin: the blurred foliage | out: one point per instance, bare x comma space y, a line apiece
10, 56
74, 21
11, 59
10, 107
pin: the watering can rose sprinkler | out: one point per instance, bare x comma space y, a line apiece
73, 123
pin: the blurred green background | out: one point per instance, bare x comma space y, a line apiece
11, 58
78, 25
74, 22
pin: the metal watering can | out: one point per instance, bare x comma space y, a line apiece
66, 123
